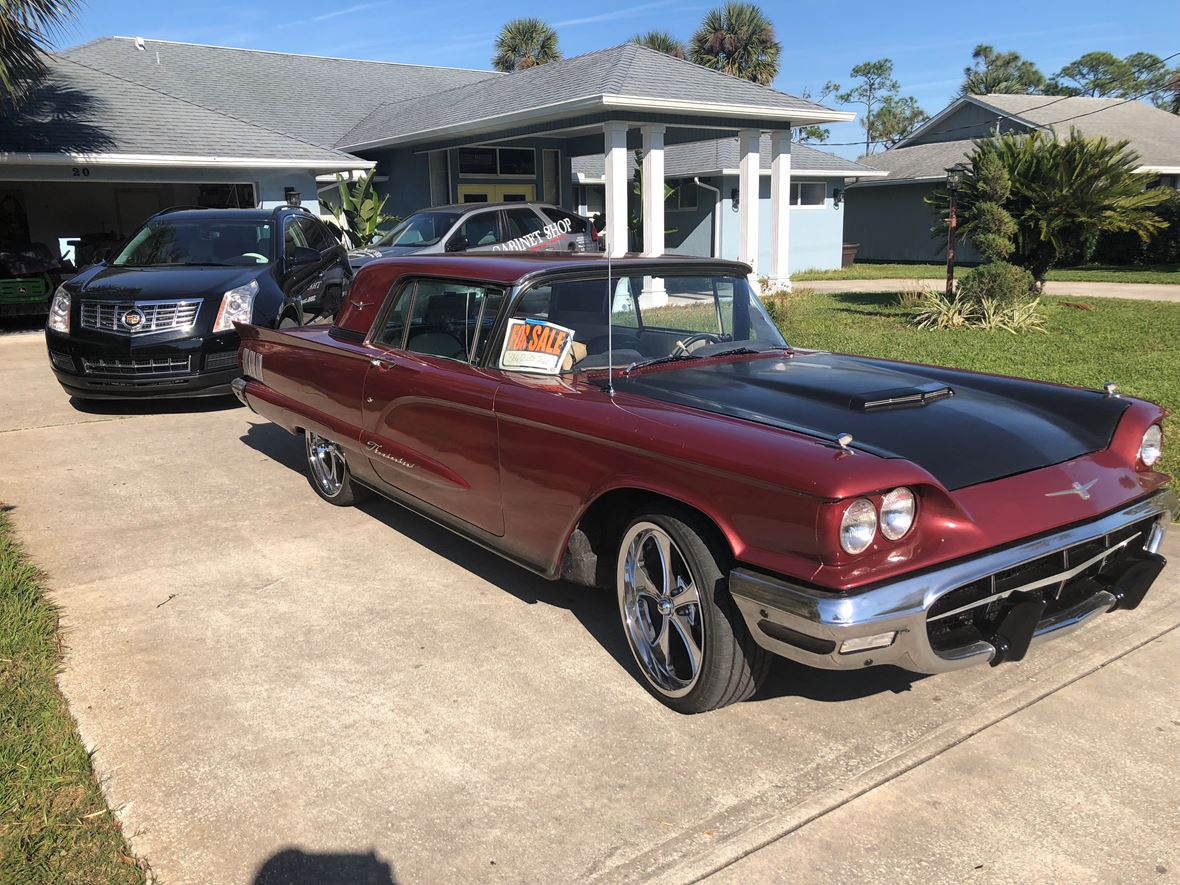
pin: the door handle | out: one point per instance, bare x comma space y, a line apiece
385, 363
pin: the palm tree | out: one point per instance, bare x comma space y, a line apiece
27, 27
525, 43
661, 41
1063, 191
739, 40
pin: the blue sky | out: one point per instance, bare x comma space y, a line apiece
930, 43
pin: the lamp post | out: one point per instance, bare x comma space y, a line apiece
954, 178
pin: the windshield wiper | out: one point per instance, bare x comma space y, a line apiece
207, 264
671, 358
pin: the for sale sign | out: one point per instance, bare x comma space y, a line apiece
536, 346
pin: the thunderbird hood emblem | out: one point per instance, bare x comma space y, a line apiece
1082, 491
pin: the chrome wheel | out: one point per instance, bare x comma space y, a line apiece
326, 461
661, 609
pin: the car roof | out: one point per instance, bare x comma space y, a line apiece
195, 212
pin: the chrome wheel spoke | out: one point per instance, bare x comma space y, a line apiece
327, 464
664, 546
685, 595
684, 631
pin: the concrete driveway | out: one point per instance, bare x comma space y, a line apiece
277, 690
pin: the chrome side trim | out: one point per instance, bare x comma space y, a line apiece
902, 606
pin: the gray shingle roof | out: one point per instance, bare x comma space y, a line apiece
711, 157
81, 110
627, 71
1153, 133
309, 97
920, 160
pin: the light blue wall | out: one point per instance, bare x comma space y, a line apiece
817, 232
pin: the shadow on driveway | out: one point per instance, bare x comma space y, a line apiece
291, 866
595, 609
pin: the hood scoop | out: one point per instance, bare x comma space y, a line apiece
900, 397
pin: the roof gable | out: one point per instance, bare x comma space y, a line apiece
621, 76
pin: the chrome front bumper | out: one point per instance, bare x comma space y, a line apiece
813, 626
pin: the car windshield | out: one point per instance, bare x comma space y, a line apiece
170, 242
563, 326
420, 229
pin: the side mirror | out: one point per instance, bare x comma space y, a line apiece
303, 255
457, 244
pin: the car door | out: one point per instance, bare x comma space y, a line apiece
428, 423
335, 274
478, 232
576, 232
301, 282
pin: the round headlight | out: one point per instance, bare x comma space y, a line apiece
897, 513
859, 526
1152, 445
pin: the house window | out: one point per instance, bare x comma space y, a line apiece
493, 162
684, 194
808, 193
477, 161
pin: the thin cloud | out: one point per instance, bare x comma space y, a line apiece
626, 12
335, 13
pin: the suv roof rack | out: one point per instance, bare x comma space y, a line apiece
286, 207
179, 209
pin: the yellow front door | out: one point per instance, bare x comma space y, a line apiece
497, 193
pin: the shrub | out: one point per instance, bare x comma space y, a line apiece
1000, 282
914, 295
779, 303
940, 312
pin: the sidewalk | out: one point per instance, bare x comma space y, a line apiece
1079, 786
1132, 291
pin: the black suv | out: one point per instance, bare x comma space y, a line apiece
157, 319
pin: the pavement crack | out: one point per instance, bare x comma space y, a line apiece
69, 423
934, 754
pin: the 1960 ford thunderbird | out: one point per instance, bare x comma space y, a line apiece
641, 425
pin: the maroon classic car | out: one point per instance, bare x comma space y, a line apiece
641, 425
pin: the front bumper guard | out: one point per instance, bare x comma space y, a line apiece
812, 626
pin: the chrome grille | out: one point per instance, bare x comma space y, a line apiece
168, 365
158, 316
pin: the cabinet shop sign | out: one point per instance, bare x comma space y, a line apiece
538, 239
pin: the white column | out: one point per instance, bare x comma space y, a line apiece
615, 148
780, 209
654, 294
748, 176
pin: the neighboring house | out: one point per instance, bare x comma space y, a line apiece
889, 217
701, 212
126, 126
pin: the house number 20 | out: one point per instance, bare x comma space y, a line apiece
81, 172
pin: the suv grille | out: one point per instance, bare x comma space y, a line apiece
168, 365
139, 317
974, 610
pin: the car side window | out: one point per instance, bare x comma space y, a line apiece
316, 234
480, 229
522, 222
578, 224
449, 317
293, 237
393, 331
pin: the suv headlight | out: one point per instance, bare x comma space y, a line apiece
898, 509
236, 306
858, 527
59, 311
1152, 445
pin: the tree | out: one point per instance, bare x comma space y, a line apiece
737, 39
525, 43
1105, 75
1000, 72
361, 213
1063, 191
814, 132
887, 118
661, 41
27, 28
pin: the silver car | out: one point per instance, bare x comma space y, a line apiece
484, 227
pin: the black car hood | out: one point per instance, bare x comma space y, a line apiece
159, 283
961, 427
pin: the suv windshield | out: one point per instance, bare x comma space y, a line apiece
420, 229
170, 242
564, 326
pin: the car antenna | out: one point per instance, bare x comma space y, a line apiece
610, 338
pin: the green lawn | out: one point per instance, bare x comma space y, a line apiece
1135, 343
54, 824
1097, 273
